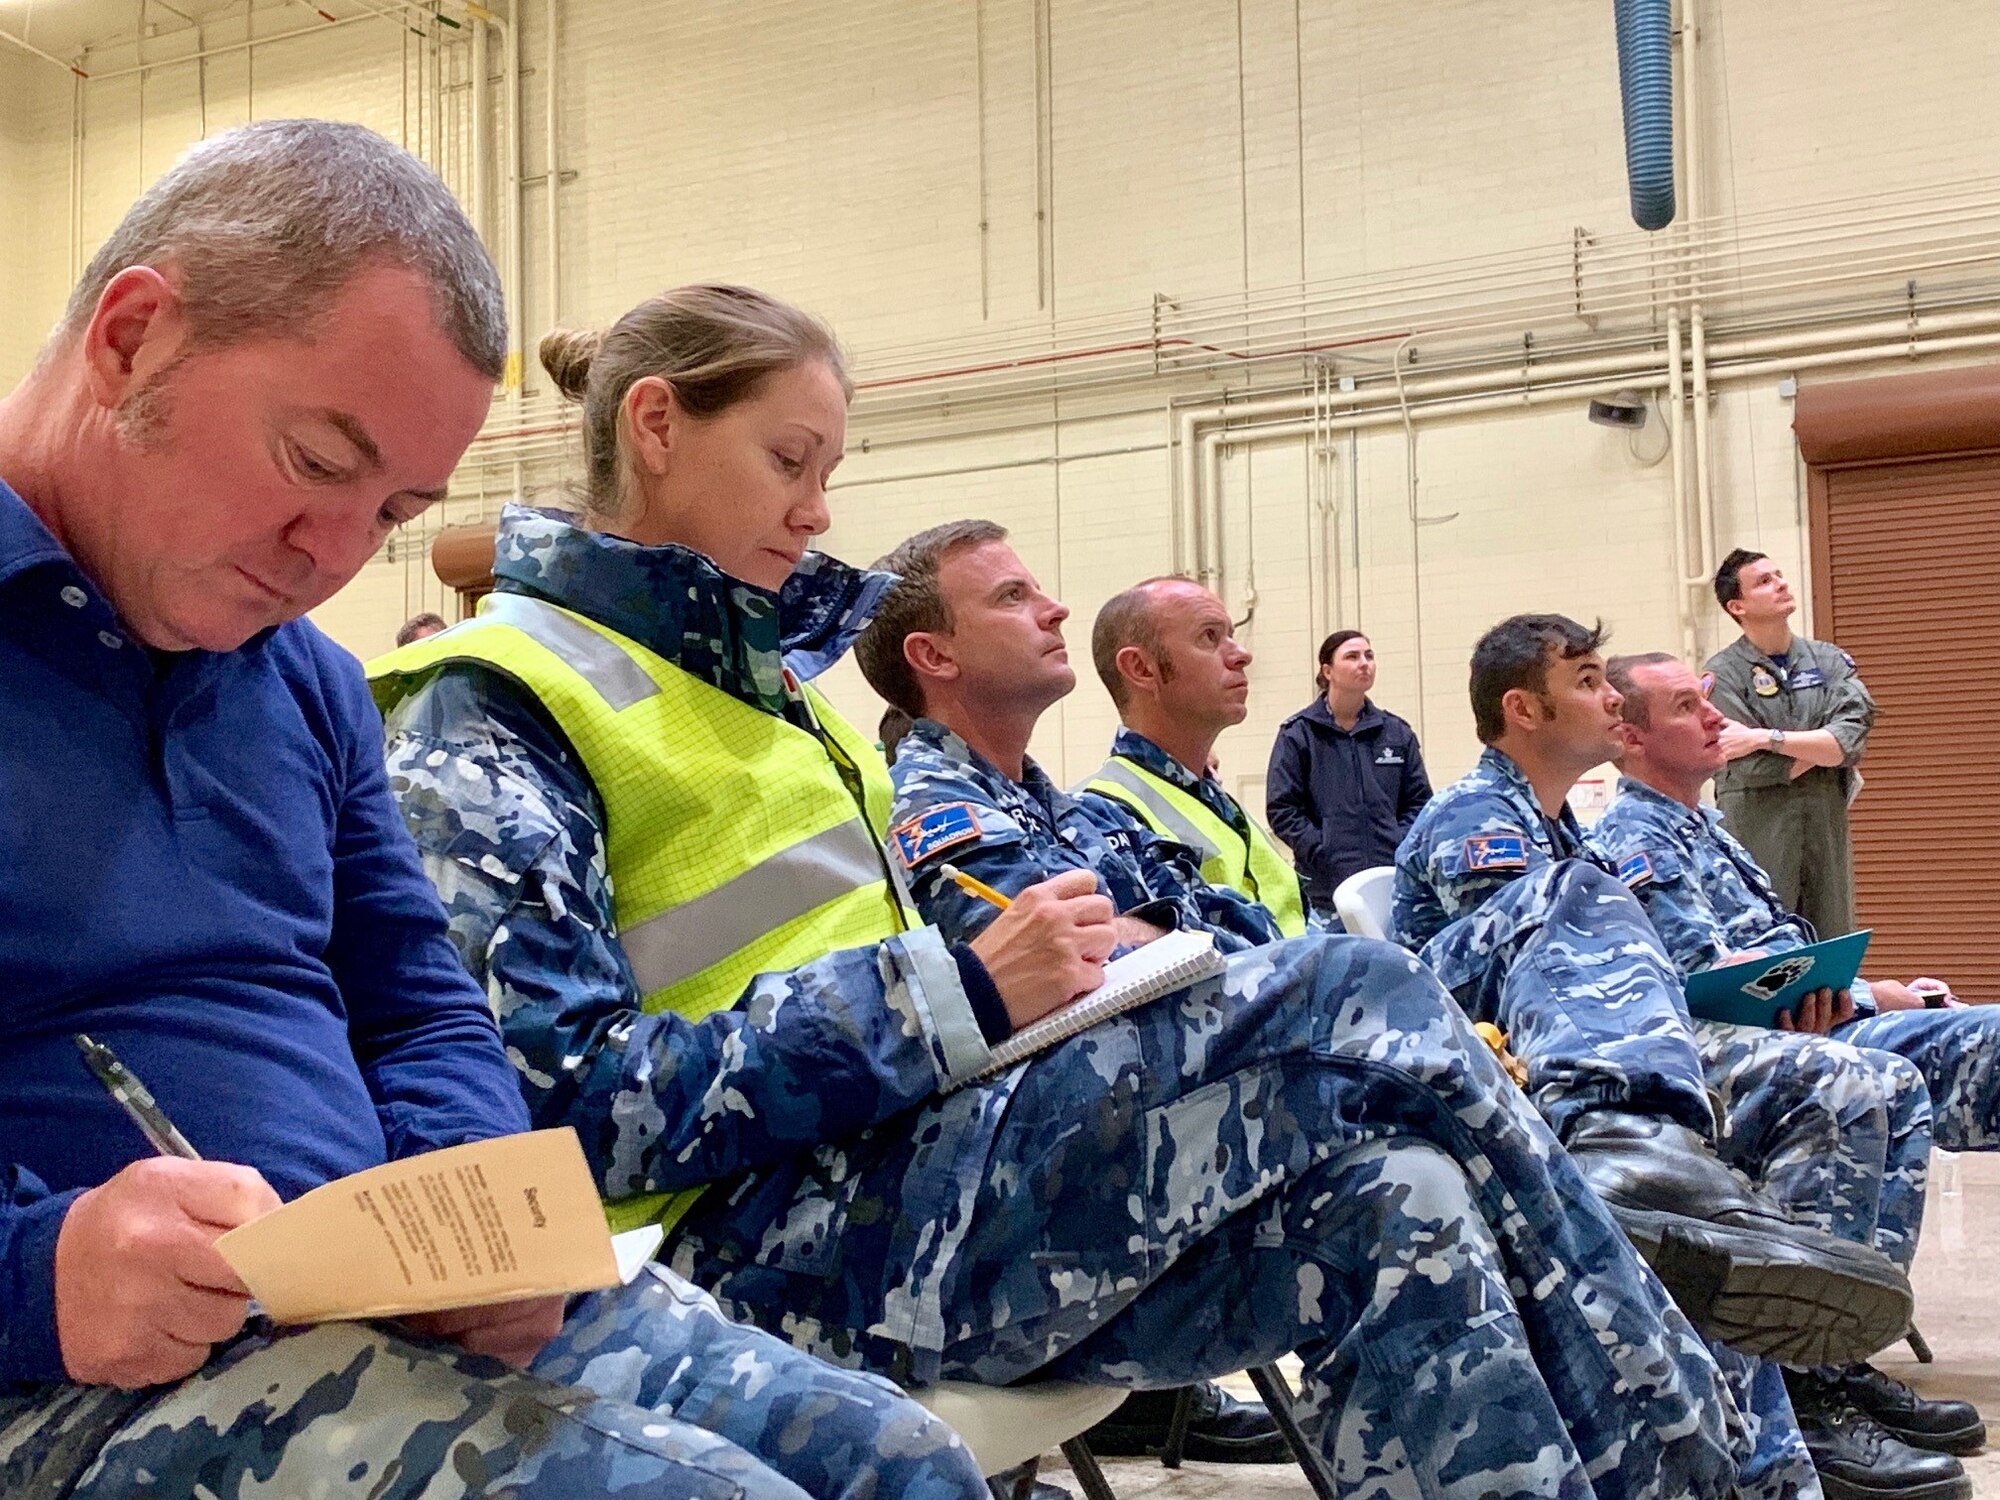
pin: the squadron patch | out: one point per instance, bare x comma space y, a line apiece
1762, 683
938, 829
1635, 870
1496, 851
1850, 662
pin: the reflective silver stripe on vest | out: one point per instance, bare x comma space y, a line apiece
1168, 816
599, 662
680, 942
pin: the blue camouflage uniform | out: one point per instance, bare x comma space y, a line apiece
1708, 897
1594, 1011
1111, 814
1295, 1032
1113, 1210
1805, 1117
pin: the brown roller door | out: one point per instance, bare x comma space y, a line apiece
1907, 557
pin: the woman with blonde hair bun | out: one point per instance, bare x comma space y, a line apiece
584, 765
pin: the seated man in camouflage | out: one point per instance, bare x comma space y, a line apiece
277, 357
1711, 901
1167, 653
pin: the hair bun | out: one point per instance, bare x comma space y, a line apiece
566, 354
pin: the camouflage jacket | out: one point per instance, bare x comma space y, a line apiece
952, 801
1704, 892
512, 832
1475, 836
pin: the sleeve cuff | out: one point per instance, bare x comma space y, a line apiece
959, 1046
29, 1348
1863, 997
987, 1006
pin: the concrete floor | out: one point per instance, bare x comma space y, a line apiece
1959, 1255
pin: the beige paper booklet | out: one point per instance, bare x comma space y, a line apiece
493, 1221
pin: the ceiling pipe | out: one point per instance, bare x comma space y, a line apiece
34, 51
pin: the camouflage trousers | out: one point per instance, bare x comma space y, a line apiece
1958, 1053
1837, 1133
647, 1392
1313, 1152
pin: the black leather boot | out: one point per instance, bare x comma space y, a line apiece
1221, 1429
1940, 1426
1860, 1459
1742, 1269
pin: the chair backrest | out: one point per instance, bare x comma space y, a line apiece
1363, 901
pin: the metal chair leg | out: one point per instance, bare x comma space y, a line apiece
1919, 1348
1084, 1463
1278, 1401
1177, 1429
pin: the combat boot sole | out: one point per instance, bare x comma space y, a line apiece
1835, 1488
1958, 1441
1766, 1295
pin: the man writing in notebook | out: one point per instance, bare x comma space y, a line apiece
277, 357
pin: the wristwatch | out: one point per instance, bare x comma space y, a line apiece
1777, 739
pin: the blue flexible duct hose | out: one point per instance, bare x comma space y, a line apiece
1646, 82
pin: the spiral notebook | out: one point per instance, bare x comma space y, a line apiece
1164, 965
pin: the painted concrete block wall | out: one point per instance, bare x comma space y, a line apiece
925, 170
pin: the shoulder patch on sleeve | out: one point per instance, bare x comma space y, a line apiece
943, 827
1496, 851
1849, 660
1635, 870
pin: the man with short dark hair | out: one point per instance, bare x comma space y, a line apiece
1711, 902
1799, 718
278, 356
419, 627
1240, 1081
1167, 653
1494, 889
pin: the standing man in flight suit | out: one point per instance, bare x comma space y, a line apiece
1799, 721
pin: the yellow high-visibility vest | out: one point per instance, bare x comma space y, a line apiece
1255, 868
734, 843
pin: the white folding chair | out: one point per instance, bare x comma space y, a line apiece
1362, 900
1010, 1424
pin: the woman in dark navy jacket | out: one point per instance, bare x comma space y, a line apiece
1346, 778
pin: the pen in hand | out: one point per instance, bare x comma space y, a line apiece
131, 1094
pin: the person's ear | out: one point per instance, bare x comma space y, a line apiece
136, 330
654, 418
1734, 609
1626, 736
930, 655
1520, 709
1137, 668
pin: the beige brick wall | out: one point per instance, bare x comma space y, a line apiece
832, 153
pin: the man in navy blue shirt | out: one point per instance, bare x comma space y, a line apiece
278, 357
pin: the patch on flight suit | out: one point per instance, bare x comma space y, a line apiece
1496, 851
1807, 676
1849, 660
941, 828
1635, 870
1762, 683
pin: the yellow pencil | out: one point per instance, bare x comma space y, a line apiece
973, 887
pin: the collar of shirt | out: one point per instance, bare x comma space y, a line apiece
1498, 770
674, 601
1370, 716
1129, 744
1664, 812
31, 554
1036, 790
